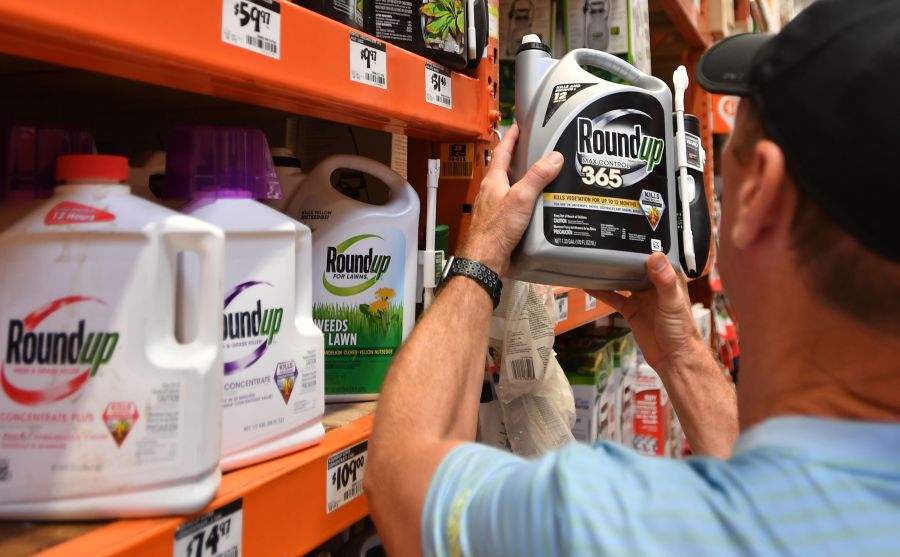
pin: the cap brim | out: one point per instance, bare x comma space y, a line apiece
725, 67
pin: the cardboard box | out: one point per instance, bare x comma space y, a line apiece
620, 27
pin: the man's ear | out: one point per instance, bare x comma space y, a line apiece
762, 195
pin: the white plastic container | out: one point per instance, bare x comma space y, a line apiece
363, 272
274, 353
103, 413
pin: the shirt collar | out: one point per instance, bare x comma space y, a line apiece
826, 439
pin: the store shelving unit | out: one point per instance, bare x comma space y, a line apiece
177, 45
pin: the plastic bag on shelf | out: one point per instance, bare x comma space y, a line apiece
535, 398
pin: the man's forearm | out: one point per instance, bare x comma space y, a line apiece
704, 400
434, 382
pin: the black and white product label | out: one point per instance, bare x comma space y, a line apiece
692, 142
562, 93
562, 306
344, 476
253, 24
215, 534
590, 303
438, 85
613, 188
368, 61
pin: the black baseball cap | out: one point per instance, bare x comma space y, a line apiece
827, 90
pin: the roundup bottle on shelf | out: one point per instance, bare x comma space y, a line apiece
104, 411
364, 272
273, 371
27, 163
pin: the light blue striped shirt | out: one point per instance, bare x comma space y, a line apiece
794, 486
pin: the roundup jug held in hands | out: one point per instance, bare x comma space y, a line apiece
614, 203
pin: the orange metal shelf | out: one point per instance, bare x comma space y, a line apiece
690, 22
283, 504
578, 314
178, 44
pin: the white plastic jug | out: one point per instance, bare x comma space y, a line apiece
274, 353
104, 414
363, 272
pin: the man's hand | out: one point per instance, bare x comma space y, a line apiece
502, 212
663, 326
660, 316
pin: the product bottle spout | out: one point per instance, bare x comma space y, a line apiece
532, 61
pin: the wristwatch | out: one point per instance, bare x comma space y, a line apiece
480, 273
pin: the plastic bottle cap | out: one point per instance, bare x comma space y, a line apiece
80, 167
219, 162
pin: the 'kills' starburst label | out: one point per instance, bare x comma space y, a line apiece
613, 188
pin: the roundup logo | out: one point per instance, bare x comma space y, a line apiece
247, 325
367, 267
53, 354
615, 141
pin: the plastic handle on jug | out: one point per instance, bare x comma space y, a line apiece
617, 67
302, 264
396, 183
209, 245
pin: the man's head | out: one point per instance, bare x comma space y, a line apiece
813, 154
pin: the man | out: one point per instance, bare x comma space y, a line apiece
811, 260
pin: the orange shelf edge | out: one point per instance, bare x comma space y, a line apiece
178, 44
578, 314
689, 21
283, 508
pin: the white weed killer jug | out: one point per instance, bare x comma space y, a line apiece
364, 274
104, 414
274, 354
614, 202
28, 156
290, 176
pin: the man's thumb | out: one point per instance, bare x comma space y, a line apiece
664, 278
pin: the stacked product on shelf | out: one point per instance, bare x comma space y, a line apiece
273, 352
105, 411
28, 156
364, 273
451, 32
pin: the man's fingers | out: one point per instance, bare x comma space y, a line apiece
612, 299
539, 175
665, 279
502, 153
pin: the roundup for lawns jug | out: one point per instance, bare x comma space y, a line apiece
364, 274
104, 414
28, 156
274, 354
614, 202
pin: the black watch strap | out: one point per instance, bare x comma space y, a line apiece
480, 273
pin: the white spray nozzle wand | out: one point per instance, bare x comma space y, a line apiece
685, 182
430, 260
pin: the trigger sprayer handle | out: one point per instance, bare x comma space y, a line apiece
391, 179
616, 66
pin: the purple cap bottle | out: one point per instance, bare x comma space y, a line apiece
219, 162
28, 156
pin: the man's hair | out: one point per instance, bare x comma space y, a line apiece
839, 270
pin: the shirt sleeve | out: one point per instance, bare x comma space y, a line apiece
600, 499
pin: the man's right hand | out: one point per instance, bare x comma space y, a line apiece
660, 317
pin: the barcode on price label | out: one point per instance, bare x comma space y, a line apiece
215, 534
438, 85
253, 24
368, 61
457, 161
590, 303
344, 476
